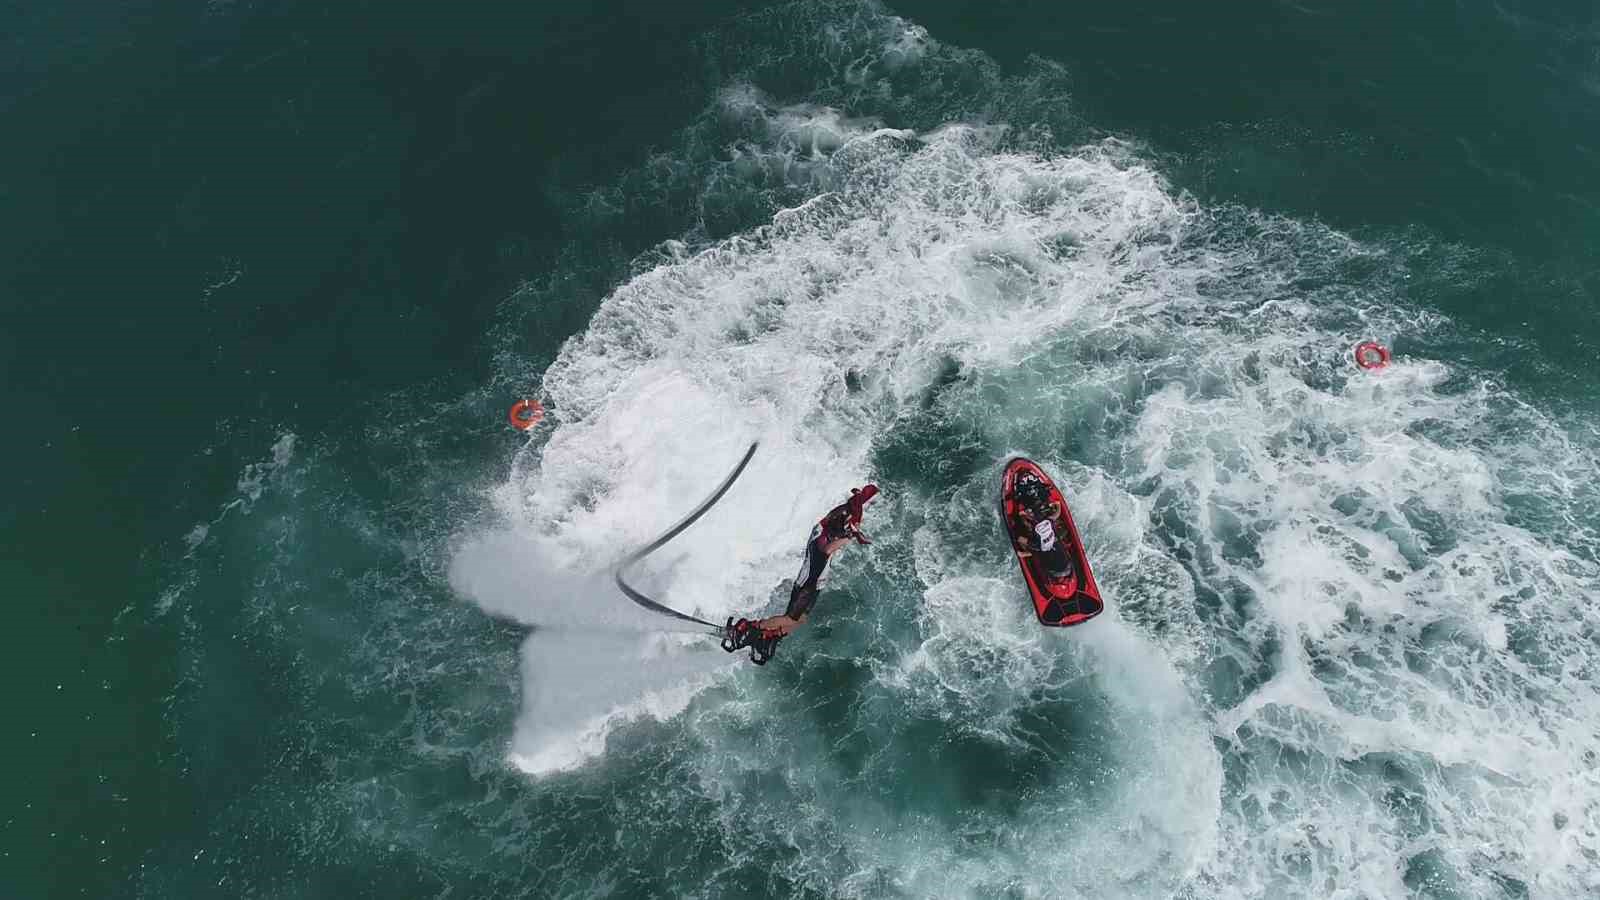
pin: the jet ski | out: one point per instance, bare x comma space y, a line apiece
1041, 532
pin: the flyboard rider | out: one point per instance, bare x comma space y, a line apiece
832, 532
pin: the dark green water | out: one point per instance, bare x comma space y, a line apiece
273, 272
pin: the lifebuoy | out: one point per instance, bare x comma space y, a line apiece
525, 414
1372, 355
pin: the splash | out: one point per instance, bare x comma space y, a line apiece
1345, 647
1306, 531
591, 662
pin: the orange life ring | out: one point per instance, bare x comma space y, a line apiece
1372, 355
525, 414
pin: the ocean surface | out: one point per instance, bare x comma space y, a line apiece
293, 613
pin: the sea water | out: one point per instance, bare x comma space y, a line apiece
1349, 641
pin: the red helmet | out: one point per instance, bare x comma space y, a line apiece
858, 500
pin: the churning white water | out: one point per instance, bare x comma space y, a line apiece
1349, 646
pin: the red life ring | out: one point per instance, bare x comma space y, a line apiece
1372, 355
525, 414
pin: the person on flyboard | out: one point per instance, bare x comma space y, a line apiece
839, 527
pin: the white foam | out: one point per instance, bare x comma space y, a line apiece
1341, 540
813, 335
1380, 562
579, 688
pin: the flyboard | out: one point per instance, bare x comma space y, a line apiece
762, 647
1035, 515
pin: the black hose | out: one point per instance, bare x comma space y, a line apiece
671, 533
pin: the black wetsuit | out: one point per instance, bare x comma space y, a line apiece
834, 525
1048, 546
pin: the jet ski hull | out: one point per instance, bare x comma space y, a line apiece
1069, 595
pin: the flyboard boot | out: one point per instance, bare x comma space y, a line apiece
763, 643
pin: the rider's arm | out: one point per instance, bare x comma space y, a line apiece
783, 624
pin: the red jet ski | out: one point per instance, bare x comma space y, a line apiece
1042, 534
